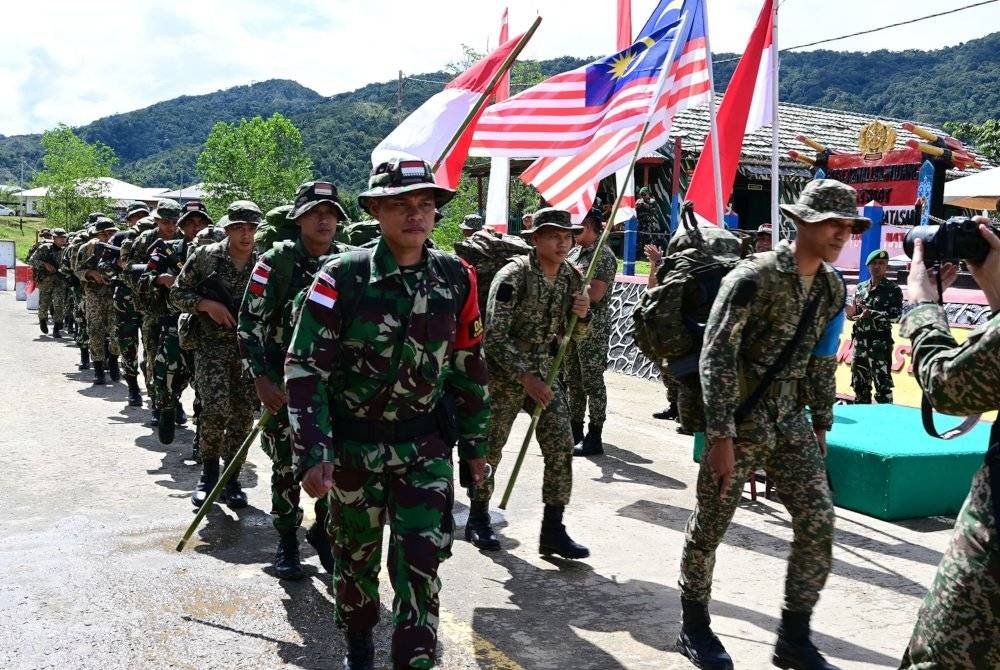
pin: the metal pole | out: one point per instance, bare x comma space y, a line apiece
716, 162
775, 176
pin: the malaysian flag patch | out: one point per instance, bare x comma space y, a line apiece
324, 290
258, 280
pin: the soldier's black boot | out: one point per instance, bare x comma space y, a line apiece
592, 444
154, 417
43, 325
57, 330
99, 378
165, 428
669, 413
577, 427
114, 371
555, 540
180, 418
697, 641
320, 541
84, 359
134, 395
233, 495
209, 478
794, 650
70, 325
360, 650
286, 558
478, 529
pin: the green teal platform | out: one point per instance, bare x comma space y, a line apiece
883, 464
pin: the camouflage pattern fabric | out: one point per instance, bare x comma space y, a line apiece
172, 366
402, 350
648, 221
755, 314
127, 324
276, 441
151, 301
99, 310
960, 616
525, 317
67, 268
587, 359
872, 337
51, 286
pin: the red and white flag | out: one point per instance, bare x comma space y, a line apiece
259, 277
498, 192
324, 290
747, 106
426, 132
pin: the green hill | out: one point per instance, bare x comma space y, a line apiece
157, 146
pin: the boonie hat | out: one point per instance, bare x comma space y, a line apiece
765, 229
193, 209
104, 223
553, 218
94, 216
58, 232
472, 222
825, 199
313, 193
167, 209
243, 211
402, 176
135, 207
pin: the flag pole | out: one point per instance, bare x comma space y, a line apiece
592, 268
484, 98
775, 177
714, 129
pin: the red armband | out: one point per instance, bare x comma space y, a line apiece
469, 332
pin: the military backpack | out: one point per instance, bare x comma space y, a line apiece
487, 253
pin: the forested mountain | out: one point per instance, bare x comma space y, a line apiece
157, 146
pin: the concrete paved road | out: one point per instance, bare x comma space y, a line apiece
93, 506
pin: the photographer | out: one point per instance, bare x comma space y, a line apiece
959, 622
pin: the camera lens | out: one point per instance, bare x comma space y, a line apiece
969, 244
929, 235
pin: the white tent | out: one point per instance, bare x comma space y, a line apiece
977, 191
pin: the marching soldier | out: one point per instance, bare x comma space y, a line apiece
74, 297
128, 320
209, 286
51, 287
265, 329
388, 339
44, 237
470, 224
529, 302
97, 292
878, 302
754, 319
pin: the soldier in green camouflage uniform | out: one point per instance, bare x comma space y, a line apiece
959, 621
877, 303
44, 263
587, 359
754, 317
648, 218
265, 328
385, 336
228, 401
529, 303
97, 292
127, 317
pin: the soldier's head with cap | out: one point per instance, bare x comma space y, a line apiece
404, 197
194, 219
104, 228
645, 193
763, 238
878, 264
526, 221
593, 226
135, 211
45, 234
552, 234
245, 211
240, 223
825, 215
166, 214
59, 237
470, 224
93, 217
318, 212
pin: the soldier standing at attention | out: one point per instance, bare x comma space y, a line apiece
877, 303
97, 291
51, 287
587, 359
227, 396
959, 621
127, 317
647, 216
529, 302
755, 316
384, 374
265, 329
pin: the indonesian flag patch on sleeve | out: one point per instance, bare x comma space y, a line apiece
258, 280
324, 291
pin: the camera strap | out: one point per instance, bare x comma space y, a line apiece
927, 416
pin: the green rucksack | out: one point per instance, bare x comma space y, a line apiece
487, 252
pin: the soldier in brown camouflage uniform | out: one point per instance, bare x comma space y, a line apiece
754, 317
959, 621
97, 292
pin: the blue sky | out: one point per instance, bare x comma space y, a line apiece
74, 62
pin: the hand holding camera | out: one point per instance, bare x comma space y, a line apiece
952, 241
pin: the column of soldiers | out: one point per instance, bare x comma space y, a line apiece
375, 364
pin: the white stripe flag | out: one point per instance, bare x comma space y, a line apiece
497, 194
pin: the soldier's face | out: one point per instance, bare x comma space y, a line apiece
240, 237
167, 227
406, 219
878, 268
553, 245
131, 220
192, 226
106, 235
319, 224
825, 239
763, 243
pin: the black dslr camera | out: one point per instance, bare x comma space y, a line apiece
956, 239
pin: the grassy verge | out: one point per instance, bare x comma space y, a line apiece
10, 230
641, 267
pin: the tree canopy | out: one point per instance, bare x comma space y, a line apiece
71, 174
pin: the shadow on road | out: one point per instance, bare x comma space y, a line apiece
622, 465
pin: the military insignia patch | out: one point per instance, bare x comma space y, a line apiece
505, 292
323, 291
258, 280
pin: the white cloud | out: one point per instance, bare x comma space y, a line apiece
75, 62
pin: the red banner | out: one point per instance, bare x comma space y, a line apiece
889, 179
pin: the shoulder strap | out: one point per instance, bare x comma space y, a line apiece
358, 262
453, 270
282, 265
927, 417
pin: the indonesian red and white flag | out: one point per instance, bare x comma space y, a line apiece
323, 291
498, 192
426, 132
258, 279
747, 106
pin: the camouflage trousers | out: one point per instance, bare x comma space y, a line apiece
149, 330
127, 324
415, 495
172, 366
100, 325
276, 441
586, 362
685, 395
669, 384
959, 621
227, 397
791, 455
80, 316
51, 295
554, 435
872, 365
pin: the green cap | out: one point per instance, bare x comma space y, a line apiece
645, 191
877, 255
278, 216
471, 222
167, 209
104, 223
313, 193
402, 176
58, 232
825, 199
94, 216
194, 209
135, 207
243, 211
553, 218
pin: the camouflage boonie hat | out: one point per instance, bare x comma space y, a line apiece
104, 223
278, 216
553, 218
58, 232
472, 222
135, 207
877, 255
167, 209
194, 209
313, 193
45, 232
94, 216
210, 234
243, 211
402, 176
719, 241
825, 199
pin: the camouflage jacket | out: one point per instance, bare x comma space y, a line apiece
648, 216
67, 262
45, 253
87, 261
265, 326
607, 268
408, 342
526, 315
754, 316
150, 298
128, 244
155, 297
884, 302
204, 261
961, 380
